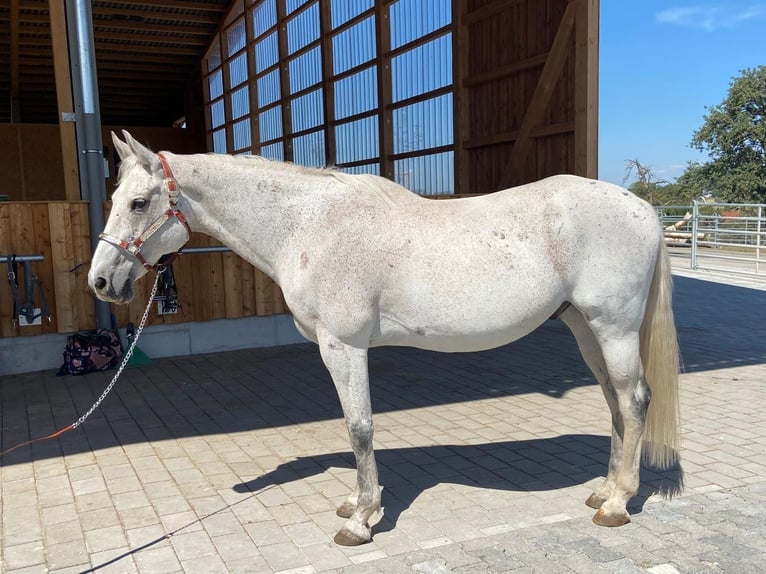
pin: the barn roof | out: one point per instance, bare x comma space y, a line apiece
147, 53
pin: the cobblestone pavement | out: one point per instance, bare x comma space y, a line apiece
234, 462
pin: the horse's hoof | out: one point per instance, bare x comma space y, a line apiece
603, 518
345, 510
345, 537
595, 501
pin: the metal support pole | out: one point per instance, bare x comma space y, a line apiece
695, 226
88, 125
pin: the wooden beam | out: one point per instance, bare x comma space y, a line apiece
180, 5
385, 91
486, 11
509, 137
252, 82
328, 86
586, 88
140, 10
134, 49
284, 81
15, 61
461, 99
545, 85
504, 71
156, 40
64, 99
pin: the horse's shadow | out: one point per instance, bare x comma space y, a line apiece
524, 466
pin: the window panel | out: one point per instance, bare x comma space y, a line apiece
268, 88
354, 46
274, 151
217, 117
242, 137
428, 174
307, 111
369, 168
344, 10
309, 149
235, 37
423, 125
215, 84
240, 102
238, 70
303, 29
293, 5
305, 70
270, 124
264, 17
266, 52
219, 141
214, 55
358, 140
412, 19
357, 93
423, 69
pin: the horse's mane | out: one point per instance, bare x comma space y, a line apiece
390, 191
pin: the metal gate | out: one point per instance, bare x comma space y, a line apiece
724, 237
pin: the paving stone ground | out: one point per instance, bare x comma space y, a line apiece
235, 462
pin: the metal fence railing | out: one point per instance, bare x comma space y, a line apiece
729, 237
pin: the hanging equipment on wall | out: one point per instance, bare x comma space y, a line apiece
28, 310
167, 292
13, 281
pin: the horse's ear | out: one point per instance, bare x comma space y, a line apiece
144, 155
123, 149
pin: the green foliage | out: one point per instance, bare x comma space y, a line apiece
734, 135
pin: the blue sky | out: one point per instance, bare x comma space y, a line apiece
661, 63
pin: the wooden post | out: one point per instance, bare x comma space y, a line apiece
64, 98
328, 86
15, 97
461, 98
284, 78
586, 88
385, 95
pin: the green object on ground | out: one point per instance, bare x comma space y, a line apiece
138, 358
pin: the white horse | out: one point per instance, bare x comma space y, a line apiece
363, 262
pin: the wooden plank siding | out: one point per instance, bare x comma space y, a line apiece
528, 103
210, 285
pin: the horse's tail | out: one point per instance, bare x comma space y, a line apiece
660, 358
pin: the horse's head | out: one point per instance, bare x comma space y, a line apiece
144, 225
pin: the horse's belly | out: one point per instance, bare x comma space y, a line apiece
452, 330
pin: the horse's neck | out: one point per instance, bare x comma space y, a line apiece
250, 208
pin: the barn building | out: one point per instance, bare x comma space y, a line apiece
446, 97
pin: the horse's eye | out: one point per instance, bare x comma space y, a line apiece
139, 203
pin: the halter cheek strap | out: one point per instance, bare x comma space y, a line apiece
133, 246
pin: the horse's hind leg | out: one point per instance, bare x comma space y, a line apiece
348, 368
591, 353
616, 364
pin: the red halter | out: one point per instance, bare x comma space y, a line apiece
133, 246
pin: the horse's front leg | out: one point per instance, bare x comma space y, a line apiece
348, 368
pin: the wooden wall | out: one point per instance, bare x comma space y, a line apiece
210, 286
30, 162
59, 232
526, 85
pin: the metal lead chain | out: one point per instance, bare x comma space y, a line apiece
128, 353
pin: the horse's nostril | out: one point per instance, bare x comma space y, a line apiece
100, 283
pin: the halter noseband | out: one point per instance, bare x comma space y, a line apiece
133, 246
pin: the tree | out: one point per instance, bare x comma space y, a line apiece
734, 135
646, 185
